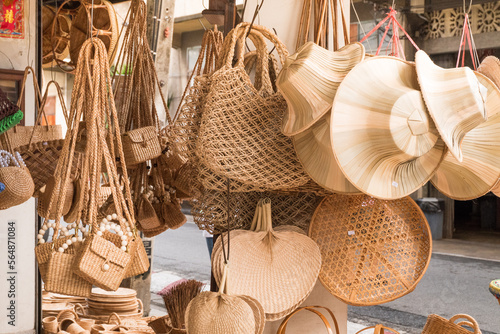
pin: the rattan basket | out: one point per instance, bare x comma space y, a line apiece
436, 324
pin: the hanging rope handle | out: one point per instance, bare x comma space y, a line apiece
467, 37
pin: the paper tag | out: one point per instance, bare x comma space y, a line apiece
394, 184
351, 233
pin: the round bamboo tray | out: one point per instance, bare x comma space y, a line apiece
374, 251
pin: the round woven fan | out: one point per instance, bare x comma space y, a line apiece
479, 170
55, 41
455, 100
374, 251
309, 81
382, 136
314, 149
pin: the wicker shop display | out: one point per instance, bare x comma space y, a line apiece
490, 67
262, 257
51, 324
240, 133
454, 98
16, 178
309, 80
224, 312
437, 324
210, 210
314, 310
56, 34
383, 138
314, 149
479, 170
374, 251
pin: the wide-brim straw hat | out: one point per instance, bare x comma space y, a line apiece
374, 251
455, 99
277, 268
479, 170
383, 138
314, 149
309, 80
490, 66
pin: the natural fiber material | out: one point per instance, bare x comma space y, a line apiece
17, 181
437, 324
382, 137
47, 203
312, 309
277, 268
378, 329
240, 134
373, 251
455, 99
177, 298
146, 215
309, 81
104, 26
210, 210
7, 108
56, 34
490, 67
479, 170
141, 145
314, 149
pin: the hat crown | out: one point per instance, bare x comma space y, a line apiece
418, 122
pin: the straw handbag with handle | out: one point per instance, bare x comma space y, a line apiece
436, 324
16, 179
240, 134
312, 309
7, 108
379, 329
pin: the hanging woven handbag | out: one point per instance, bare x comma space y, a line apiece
379, 329
16, 179
436, 324
312, 309
240, 134
7, 108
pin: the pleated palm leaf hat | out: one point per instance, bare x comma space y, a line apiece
490, 66
309, 80
382, 136
479, 170
314, 149
455, 100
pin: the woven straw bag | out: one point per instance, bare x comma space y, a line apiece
240, 133
140, 260
312, 309
7, 108
17, 181
379, 329
146, 215
261, 257
436, 324
47, 206
141, 145
365, 241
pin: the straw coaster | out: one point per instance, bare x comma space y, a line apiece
479, 171
278, 268
490, 66
309, 80
374, 251
383, 138
314, 149
455, 100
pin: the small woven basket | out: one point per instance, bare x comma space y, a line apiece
312, 309
19, 186
436, 324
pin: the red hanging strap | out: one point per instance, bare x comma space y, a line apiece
466, 38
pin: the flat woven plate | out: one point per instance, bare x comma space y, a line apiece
374, 251
120, 293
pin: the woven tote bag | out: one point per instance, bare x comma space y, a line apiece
16, 179
436, 324
312, 309
240, 133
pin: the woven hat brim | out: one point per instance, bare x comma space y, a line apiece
314, 149
490, 67
374, 251
479, 171
454, 98
310, 81
371, 139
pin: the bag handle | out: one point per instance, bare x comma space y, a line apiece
378, 329
471, 322
282, 328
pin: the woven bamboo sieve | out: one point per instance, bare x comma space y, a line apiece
19, 186
374, 251
240, 133
437, 324
312, 309
210, 210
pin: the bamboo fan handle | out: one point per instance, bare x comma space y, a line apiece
223, 288
282, 328
471, 322
266, 204
378, 329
